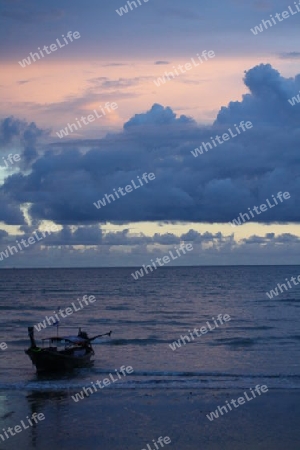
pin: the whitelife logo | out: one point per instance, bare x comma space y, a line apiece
294, 100
31, 240
53, 47
241, 401
263, 207
267, 23
3, 346
90, 118
205, 56
11, 158
225, 136
203, 330
124, 9
166, 440
129, 188
162, 261
274, 293
65, 313
102, 383
23, 426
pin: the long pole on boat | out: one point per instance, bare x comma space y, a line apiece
100, 335
57, 324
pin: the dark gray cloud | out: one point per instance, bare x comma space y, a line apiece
104, 249
267, 103
10, 212
24, 135
124, 82
90, 235
114, 64
284, 238
66, 180
3, 234
290, 55
9, 129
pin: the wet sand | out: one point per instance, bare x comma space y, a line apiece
116, 419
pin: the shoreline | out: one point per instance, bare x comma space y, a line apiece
121, 419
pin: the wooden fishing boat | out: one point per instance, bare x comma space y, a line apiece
76, 351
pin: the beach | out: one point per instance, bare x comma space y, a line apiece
156, 377
119, 420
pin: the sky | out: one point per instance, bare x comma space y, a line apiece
104, 106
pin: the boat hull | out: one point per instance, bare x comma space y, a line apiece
51, 360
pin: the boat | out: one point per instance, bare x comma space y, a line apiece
76, 351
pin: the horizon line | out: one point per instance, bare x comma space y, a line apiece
164, 267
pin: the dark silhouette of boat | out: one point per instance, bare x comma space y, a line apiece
77, 352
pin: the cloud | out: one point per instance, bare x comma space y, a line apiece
10, 128
10, 212
15, 133
290, 55
103, 249
98, 89
124, 82
267, 103
66, 179
161, 63
90, 235
158, 115
3, 234
114, 65
23, 81
284, 238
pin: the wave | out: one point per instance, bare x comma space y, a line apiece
235, 342
159, 380
136, 341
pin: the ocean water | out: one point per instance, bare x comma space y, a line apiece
260, 345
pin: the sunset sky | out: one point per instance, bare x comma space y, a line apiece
154, 128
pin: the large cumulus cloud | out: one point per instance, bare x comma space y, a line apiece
63, 183
267, 103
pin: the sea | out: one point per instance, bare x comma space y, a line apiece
259, 345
